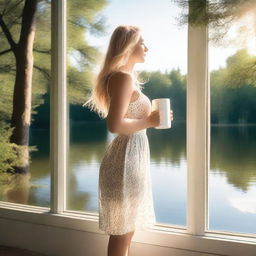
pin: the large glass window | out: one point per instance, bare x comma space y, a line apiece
232, 175
165, 70
24, 104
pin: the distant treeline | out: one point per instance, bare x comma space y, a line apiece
232, 90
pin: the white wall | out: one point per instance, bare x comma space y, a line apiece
75, 234
56, 241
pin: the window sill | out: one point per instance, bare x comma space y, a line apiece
161, 235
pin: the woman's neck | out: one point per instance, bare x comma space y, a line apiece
129, 67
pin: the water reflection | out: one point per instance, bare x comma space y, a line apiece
245, 203
15, 188
232, 175
233, 154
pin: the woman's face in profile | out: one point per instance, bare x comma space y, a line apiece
140, 50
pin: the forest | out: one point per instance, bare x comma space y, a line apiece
25, 75
232, 94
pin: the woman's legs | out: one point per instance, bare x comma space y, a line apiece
118, 245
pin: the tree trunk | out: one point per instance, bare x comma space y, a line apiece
21, 114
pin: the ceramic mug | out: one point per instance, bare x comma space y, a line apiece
163, 105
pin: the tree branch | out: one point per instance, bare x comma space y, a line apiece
7, 33
9, 26
43, 71
42, 51
5, 51
6, 68
13, 7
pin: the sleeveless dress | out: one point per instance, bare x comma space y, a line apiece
125, 189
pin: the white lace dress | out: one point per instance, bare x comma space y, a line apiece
125, 191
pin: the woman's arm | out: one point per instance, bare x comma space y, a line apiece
120, 89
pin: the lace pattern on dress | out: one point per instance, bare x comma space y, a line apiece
125, 196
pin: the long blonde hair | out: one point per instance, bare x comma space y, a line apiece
121, 45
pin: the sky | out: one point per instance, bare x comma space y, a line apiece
165, 39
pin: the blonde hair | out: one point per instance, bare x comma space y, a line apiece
121, 45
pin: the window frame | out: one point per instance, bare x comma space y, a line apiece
196, 236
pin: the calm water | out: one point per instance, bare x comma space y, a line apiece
232, 176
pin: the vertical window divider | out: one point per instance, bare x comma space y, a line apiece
58, 107
198, 129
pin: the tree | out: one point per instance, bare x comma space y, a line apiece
217, 14
23, 53
169, 84
220, 16
241, 70
233, 90
18, 20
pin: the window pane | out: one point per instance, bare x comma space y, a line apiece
24, 104
164, 69
232, 176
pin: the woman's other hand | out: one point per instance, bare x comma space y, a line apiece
171, 115
154, 118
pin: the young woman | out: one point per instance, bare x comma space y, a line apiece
125, 193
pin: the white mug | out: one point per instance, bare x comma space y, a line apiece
163, 105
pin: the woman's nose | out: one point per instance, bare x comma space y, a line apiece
146, 48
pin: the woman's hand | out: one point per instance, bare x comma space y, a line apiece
171, 115
154, 118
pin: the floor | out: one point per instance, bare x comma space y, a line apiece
10, 251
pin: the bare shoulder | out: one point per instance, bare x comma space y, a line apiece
120, 81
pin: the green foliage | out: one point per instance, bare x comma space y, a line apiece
233, 92
241, 70
218, 15
167, 85
157, 85
8, 156
9, 152
83, 16
215, 12
227, 84
80, 84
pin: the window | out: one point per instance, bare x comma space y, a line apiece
232, 186
166, 72
29, 182
66, 215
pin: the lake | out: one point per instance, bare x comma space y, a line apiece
232, 175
